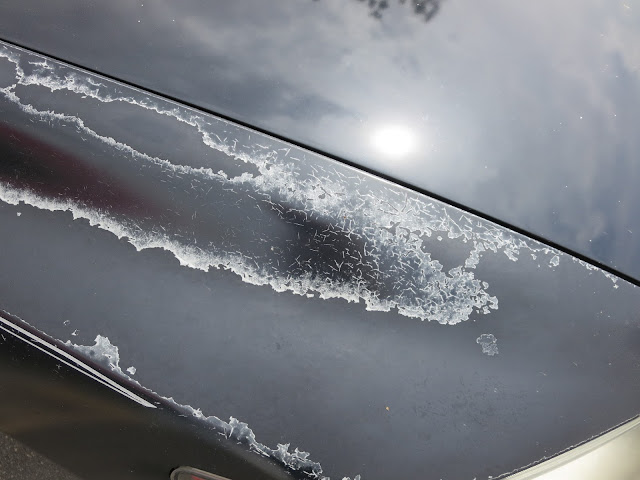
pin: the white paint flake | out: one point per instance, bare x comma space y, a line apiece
131, 370
489, 344
101, 352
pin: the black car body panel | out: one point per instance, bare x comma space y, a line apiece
51, 403
255, 280
526, 113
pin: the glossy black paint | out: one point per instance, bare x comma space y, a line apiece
524, 112
366, 392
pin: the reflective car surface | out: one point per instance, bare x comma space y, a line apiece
258, 289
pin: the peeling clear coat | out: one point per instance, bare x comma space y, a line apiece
383, 236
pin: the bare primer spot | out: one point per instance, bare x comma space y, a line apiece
489, 344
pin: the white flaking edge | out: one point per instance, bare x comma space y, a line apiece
69, 360
103, 351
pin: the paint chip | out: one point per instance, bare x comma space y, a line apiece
489, 344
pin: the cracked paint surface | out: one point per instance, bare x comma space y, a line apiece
344, 238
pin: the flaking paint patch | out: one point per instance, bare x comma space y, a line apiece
389, 268
62, 356
102, 352
489, 344
106, 354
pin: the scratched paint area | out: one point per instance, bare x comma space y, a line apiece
272, 214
